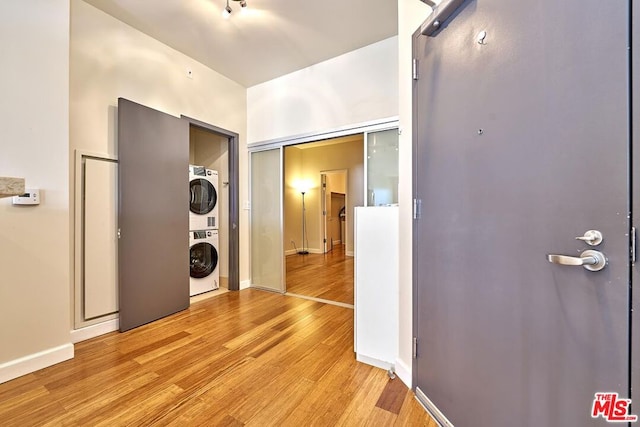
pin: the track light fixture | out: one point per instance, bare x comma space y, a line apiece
226, 12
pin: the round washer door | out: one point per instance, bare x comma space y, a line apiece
203, 196
203, 259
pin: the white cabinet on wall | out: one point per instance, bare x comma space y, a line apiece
376, 285
100, 239
96, 243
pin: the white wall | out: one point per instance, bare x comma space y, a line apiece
336, 182
411, 14
34, 144
376, 285
109, 59
306, 164
292, 217
353, 88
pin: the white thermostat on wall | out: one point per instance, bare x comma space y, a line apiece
30, 197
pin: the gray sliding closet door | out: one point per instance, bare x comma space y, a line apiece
153, 249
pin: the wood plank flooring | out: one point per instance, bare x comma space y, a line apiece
327, 276
248, 358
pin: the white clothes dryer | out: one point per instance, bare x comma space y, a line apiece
203, 205
203, 259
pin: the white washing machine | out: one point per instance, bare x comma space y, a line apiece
203, 260
203, 205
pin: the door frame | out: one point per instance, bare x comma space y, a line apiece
360, 128
234, 192
323, 208
79, 321
634, 202
414, 251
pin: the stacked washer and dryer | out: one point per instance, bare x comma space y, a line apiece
203, 230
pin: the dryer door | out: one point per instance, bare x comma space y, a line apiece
203, 259
203, 196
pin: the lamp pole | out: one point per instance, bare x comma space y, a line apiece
303, 251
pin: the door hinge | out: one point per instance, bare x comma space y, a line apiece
415, 347
417, 208
119, 234
414, 69
325, 241
632, 248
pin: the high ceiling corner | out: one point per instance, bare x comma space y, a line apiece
272, 38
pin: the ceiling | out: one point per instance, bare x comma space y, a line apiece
272, 38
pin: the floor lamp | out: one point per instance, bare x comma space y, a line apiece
303, 251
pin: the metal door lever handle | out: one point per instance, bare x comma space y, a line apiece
591, 260
571, 260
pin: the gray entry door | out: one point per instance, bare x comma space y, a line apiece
521, 146
153, 182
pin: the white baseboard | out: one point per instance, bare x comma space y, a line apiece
404, 373
245, 284
93, 331
311, 251
33, 362
373, 362
314, 251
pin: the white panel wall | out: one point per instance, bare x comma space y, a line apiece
100, 269
34, 144
411, 14
353, 88
109, 59
376, 285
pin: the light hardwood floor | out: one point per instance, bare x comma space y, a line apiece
247, 358
326, 276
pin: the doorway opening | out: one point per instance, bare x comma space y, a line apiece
279, 171
318, 237
216, 149
334, 196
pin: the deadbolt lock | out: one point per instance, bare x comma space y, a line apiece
591, 237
